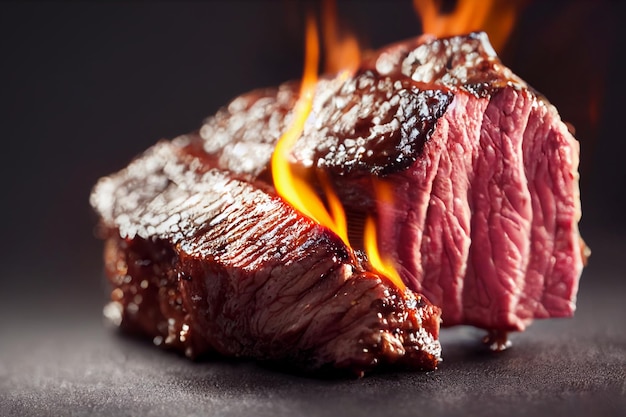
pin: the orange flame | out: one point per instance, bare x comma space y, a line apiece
496, 17
343, 53
298, 192
294, 189
384, 265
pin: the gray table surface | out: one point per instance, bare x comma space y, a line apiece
59, 359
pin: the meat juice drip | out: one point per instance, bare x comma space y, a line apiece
497, 340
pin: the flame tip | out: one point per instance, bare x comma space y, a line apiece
496, 18
343, 58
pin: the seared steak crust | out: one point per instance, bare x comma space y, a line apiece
203, 263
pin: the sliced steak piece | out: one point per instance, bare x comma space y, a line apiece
483, 172
201, 262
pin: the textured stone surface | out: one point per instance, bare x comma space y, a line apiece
60, 360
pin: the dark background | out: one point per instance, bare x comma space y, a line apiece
84, 87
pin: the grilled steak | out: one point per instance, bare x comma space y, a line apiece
483, 217
202, 262
483, 172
